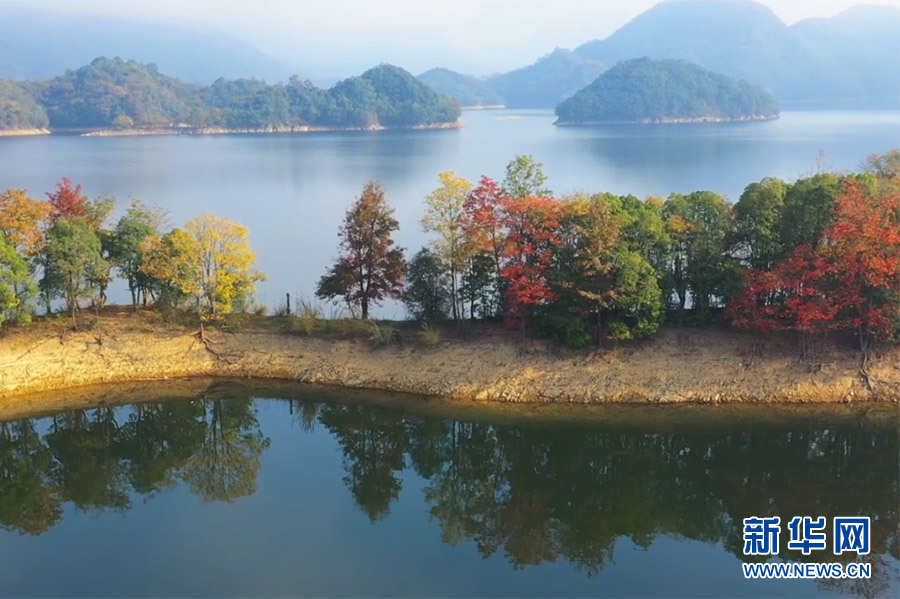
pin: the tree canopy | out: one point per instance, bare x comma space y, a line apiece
371, 267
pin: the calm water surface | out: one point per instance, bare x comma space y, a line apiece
247, 491
292, 190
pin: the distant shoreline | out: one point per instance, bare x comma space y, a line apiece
670, 121
23, 132
484, 107
152, 131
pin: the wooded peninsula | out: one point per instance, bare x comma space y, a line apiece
790, 294
113, 95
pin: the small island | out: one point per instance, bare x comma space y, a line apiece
112, 96
644, 91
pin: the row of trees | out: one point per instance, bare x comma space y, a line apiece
820, 254
816, 256
62, 249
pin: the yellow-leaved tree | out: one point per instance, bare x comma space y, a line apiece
444, 215
22, 219
209, 261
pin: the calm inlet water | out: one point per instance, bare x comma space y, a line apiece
315, 492
292, 190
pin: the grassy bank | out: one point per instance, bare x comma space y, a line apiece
680, 365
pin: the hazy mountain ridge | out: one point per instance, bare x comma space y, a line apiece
650, 91
846, 60
39, 45
548, 81
111, 93
469, 91
864, 43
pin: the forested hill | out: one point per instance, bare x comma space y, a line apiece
113, 93
649, 91
468, 90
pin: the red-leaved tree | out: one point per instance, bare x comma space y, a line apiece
67, 201
483, 208
751, 309
794, 296
803, 284
863, 251
532, 226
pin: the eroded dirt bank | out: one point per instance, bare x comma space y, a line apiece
677, 366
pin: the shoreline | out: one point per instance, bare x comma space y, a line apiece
670, 121
611, 416
23, 132
484, 107
199, 131
679, 367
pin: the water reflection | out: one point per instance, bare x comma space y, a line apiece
532, 493
97, 459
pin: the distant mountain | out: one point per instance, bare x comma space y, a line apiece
738, 38
548, 81
864, 43
37, 45
649, 91
111, 93
468, 91
846, 61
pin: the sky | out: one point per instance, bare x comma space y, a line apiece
478, 36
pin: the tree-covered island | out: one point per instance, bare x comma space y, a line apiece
665, 91
112, 94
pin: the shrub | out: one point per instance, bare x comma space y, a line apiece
430, 335
382, 334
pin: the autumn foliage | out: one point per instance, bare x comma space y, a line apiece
22, 219
813, 259
849, 282
67, 201
531, 225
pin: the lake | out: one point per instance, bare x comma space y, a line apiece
286, 490
292, 190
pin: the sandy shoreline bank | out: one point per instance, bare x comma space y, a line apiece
679, 366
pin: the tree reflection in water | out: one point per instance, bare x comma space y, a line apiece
534, 493
95, 459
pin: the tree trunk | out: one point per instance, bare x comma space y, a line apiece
453, 295
599, 328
